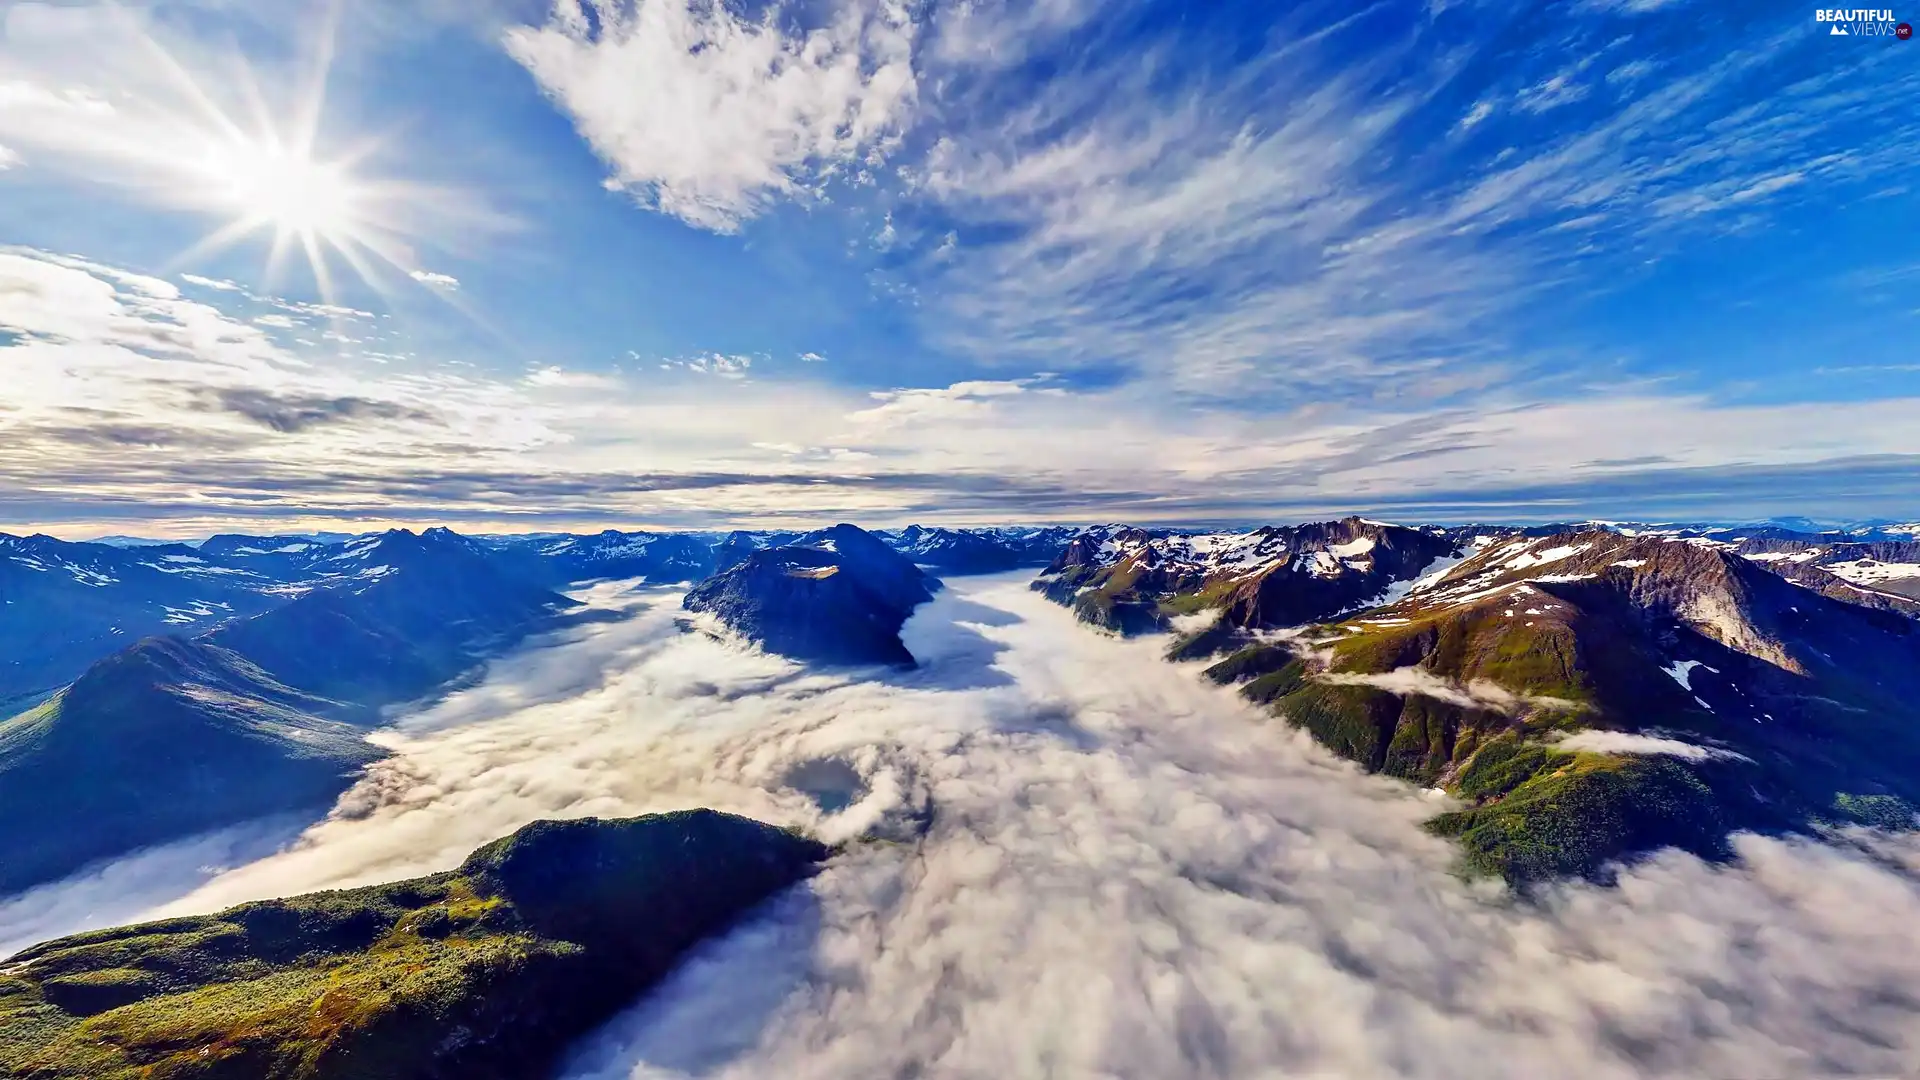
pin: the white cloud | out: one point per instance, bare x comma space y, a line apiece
435, 281
1631, 71
8, 158
210, 283
559, 377
1551, 93
1478, 694
709, 117
1480, 111
1630, 7
226, 422
721, 364
1124, 872
1621, 742
812, 357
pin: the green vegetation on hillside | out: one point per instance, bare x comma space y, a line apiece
1576, 812
484, 973
1474, 698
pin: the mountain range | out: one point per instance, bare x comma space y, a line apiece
160, 690
1584, 694
249, 668
1589, 692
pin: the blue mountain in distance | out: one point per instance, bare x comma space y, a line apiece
979, 551
166, 739
419, 610
174, 736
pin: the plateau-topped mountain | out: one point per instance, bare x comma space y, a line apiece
1592, 695
838, 596
484, 973
1882, 574
1138, 581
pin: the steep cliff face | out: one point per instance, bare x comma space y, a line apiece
485, 973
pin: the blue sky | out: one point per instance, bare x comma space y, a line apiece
671, 263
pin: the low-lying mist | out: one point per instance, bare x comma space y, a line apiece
1069, 858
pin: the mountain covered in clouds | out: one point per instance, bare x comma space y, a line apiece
64, 605
837, 596
175, 735
1653, 685
487, 971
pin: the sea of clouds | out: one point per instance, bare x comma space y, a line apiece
1068, 858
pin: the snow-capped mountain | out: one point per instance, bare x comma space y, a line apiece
979, 551
1135, 580
1592, 694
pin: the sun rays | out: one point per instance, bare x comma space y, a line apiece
222, 148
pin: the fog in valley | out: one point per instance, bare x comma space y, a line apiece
1065, 856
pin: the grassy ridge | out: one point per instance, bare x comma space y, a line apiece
484, 973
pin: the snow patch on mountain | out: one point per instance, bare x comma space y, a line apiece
1872, 571
1681, 671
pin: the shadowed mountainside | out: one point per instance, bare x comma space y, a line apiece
838, 596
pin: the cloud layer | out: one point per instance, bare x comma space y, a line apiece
204, 406
1103, 866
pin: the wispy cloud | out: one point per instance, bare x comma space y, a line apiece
207, 416
435, 280
708, 116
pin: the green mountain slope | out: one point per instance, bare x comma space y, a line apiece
484, 973
1592, 696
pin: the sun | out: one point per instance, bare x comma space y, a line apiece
289, 191
265, 172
